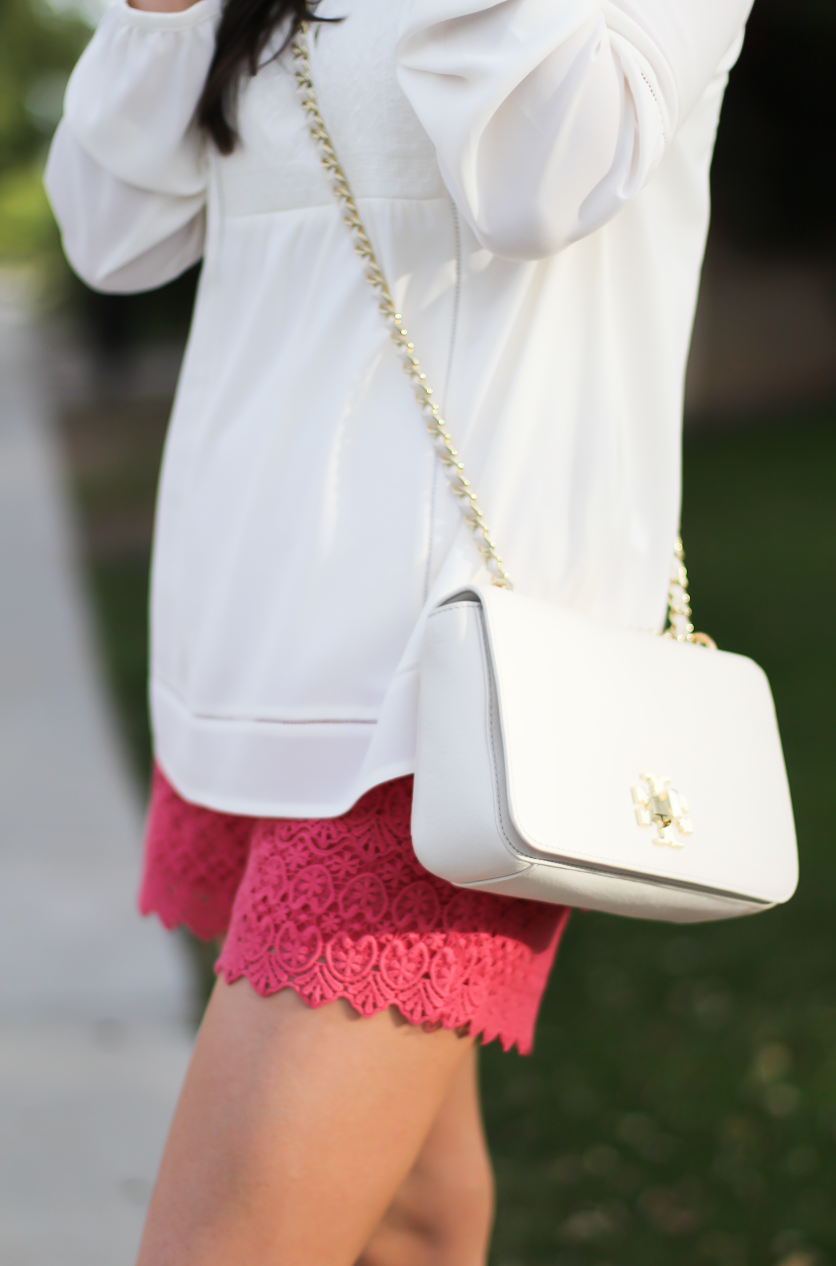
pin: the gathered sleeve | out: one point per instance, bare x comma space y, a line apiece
549, 115
128, 169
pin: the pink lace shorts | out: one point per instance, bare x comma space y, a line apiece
341, 908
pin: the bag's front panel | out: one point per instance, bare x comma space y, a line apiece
633, 752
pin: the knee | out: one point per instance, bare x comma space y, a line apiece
466, 1212
436, 1222
456, 1223
463, 1208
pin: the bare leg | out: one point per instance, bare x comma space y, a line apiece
295, 1129
442, 1213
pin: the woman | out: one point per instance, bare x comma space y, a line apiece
534, 178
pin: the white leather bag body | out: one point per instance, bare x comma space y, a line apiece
567, 760
570, 761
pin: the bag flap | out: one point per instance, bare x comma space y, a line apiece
591, 712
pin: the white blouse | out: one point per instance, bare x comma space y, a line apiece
534, 176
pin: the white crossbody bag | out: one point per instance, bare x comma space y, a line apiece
567, 760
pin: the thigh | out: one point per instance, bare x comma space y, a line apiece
443, 1210
295, 1128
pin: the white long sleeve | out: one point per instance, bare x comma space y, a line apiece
116, 236
127, 171
548, 117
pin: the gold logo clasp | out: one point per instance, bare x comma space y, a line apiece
657, 803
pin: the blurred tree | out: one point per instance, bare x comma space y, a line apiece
38, 48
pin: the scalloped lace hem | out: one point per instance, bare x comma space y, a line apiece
466, 1028
341, 908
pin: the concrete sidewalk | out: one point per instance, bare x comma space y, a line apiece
95, 1003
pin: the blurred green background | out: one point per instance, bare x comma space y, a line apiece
680, 1107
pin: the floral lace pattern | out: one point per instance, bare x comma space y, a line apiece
341, 908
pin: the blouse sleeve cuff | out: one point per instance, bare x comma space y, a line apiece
144, 20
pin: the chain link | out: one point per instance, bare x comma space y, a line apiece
442, 440
680, 628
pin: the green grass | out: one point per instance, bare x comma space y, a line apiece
680, 1106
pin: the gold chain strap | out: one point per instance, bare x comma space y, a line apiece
436, 425
679, 612
680, 627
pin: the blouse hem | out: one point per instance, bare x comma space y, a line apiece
318, 769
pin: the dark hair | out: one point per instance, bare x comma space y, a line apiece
243, 33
